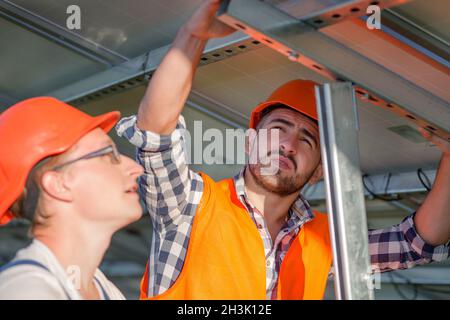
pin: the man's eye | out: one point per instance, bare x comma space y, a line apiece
306, 140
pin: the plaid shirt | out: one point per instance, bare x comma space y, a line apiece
172, 192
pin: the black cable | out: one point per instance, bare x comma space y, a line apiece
419, 174
387, 183
426, 288
144, 66
373, 194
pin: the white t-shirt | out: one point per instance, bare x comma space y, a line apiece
28, 282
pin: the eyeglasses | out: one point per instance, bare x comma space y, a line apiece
109, 150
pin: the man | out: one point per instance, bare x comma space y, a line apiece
60, 170
254, 236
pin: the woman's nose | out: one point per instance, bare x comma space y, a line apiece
132, 167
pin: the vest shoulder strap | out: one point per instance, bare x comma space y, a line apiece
105, 294
13, 264
29, 262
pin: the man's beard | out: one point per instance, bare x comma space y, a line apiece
282, 185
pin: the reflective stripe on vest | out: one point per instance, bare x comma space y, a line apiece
225, 257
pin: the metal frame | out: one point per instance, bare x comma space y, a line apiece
400, 183
139, 70
417, 47
136, 71
335, 13
305, 44
393, 94
419, 35
345, 197
400, 186
59, 34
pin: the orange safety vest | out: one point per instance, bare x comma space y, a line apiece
225, 258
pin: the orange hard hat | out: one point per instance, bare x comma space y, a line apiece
296, 94
32, 130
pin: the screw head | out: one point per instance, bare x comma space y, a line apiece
293, 56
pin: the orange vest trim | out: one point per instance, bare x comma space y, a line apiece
225, 258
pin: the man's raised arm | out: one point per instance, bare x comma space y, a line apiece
171, 83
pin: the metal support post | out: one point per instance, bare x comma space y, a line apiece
345, 197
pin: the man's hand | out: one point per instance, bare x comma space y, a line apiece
432, 219
442, 144
203, 23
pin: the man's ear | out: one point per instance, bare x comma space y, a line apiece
54, 184
317, 175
